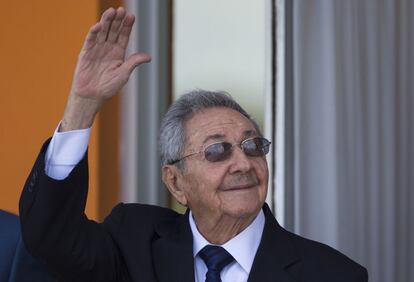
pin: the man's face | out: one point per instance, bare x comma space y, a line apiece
235, 187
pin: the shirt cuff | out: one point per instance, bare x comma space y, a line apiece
65, 151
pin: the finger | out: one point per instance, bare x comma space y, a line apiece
106, 21
90, 40
116, 23
133, 61
125, 31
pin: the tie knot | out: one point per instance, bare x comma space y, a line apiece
215, 258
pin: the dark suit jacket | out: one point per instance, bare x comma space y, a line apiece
16, 264
148, 243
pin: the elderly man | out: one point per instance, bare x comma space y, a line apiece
213, 158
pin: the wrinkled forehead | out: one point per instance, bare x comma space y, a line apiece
218, 124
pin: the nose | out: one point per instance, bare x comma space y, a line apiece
239, 161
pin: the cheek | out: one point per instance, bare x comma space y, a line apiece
265, 173
262, 171
203, 188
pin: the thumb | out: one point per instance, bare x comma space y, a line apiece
135, 60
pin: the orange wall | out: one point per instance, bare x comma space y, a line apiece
40, 41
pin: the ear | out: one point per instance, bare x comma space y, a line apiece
171, 177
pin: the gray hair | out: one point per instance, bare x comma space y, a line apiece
172, 136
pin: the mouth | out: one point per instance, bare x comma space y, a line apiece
240, 187
240, 183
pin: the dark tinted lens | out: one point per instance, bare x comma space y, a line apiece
217, 152
256, 147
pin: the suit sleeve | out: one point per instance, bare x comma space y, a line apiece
364, 275
56, 230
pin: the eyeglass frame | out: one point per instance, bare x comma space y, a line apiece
231, 148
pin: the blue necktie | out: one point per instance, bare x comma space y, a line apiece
215, 258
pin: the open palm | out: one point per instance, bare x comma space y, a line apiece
102, 69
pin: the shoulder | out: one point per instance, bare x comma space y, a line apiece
308, 260
321, 261
9, 224
9, 235
326, 255
128, 215
7, 218
146, 212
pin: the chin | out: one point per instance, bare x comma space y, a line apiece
243, 203
244, 210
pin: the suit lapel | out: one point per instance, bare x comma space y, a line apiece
275, 260
173, 251
275, 255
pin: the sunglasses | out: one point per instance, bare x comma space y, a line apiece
221, 151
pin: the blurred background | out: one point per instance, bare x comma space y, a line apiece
330, 82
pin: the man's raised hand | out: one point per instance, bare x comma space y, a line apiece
102, 69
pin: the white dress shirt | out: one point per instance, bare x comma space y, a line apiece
66, 149
243, 248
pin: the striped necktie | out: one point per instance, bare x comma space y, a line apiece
215, 258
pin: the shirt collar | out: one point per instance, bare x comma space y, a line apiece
243, 247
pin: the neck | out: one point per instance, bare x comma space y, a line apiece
221, 229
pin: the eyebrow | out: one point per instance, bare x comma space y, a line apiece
250, 133
213, 137
246, 134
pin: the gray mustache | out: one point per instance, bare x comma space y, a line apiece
241, 180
